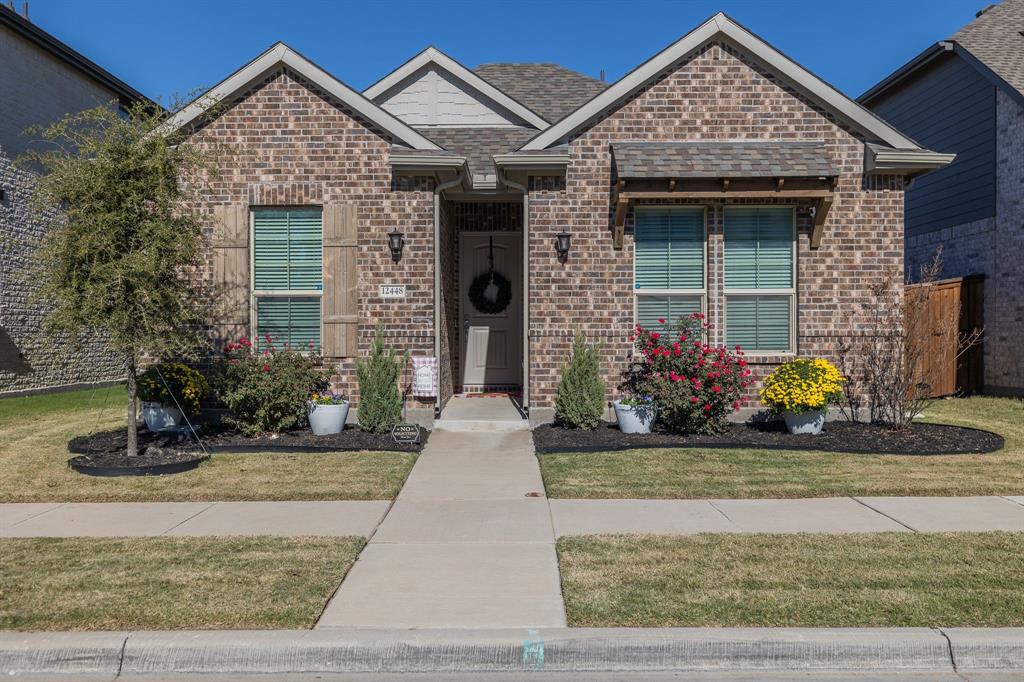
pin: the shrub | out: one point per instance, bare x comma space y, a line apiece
267, 390
188, 388
579, 403
694, 385
380, 401
802, 385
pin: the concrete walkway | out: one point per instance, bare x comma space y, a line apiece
147, 519
818, 515
468, 543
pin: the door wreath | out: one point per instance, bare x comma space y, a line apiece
490, 292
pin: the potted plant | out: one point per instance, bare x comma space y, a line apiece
635, 413
327, 413
801, 391
166, 389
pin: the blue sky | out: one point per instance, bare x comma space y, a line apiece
162, 47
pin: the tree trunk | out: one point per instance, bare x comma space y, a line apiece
133, 409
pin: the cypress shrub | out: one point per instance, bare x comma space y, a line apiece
580, 400
380, 401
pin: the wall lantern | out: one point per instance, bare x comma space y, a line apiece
563, 242
396, 242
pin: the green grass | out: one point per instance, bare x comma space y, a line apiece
727, 580
169, 583
34, 432
719, 473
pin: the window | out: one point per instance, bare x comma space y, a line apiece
668, 265
759, 278
287, 274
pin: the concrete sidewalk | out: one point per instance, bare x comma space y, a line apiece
815, 515
147, 519
468, 543
799, 651
463, 494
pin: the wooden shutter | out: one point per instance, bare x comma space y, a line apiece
231, 271
341, 282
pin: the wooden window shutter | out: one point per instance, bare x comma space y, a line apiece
230, 245
341, 282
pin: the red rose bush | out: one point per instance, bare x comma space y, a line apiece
695, 385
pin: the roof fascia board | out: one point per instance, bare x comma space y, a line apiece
433, 55
282, 54
909, 162
720, 24
905, 71
62, 51
426, 160
553, 160
988, 73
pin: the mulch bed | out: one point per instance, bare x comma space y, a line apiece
220, 438
153, 461
838, 436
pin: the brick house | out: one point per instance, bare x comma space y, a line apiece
42, 79
966, 95
719, 176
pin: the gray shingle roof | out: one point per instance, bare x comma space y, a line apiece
551, 90
722, 159
478, 144
995, 39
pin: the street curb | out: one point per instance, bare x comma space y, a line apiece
61, 653
352, 650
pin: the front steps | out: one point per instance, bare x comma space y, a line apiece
481, 415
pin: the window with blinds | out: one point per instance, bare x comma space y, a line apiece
760, 271
668, 269
287, 267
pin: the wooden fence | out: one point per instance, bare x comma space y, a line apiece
947, 373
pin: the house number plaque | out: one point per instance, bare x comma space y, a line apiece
392, 291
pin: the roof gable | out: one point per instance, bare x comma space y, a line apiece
432, 80
721, 27
280, 54
551, 90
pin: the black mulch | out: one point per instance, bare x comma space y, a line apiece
220, 438
153, 461
838, 436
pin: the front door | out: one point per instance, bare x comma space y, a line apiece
491, 269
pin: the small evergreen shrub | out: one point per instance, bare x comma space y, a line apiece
267, 390
380, 401
580, 400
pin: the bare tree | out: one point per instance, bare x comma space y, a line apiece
890, 363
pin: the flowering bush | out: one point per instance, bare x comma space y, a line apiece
327, 398
803, 385
186, 385
695, 385
267, 389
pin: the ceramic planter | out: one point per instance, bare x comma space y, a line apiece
632, 421
327, 419
160, 417
810, 422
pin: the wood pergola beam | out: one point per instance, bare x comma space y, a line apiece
731, 194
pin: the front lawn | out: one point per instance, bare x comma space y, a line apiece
169, 583
34, 432
719, 473
800, 580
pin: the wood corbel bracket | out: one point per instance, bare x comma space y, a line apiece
822, 206
619, 226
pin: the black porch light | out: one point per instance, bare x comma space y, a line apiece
396, 242
563, 242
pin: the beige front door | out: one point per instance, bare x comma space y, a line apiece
491, 341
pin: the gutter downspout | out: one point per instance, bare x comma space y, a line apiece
526, 287
437, 280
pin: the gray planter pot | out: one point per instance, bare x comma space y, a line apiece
160, 417
327, 419
809, 423
630, 421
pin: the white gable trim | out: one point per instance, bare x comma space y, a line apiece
720, 24
282, 54
443, 61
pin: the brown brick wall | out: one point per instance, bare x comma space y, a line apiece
718, 93
294, 145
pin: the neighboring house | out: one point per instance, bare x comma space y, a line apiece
718, 176
41, 80
966, 95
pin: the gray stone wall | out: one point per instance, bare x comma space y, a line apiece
29, 361
993, 247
